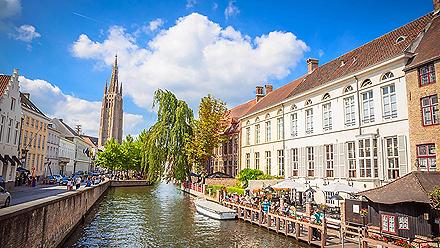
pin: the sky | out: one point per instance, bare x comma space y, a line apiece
64, 50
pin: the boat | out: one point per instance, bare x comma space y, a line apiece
214, 210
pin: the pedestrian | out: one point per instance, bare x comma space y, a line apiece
78, 182
89, 182
69, 184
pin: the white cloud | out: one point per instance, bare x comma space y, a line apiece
190, 3
320, 53
73, 110
9, 8
193, 58
26, 33
231, 10
155, 24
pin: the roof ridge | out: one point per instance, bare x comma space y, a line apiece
383, 186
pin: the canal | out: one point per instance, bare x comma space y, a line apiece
163, 216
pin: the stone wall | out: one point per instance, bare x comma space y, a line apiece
221, 181
46, 222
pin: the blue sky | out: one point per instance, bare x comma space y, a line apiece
184, 46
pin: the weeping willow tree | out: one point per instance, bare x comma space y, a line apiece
164, 153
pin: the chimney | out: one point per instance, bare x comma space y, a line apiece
269, 88
259, 92
16, 72
27, 95
436, 6
312, 64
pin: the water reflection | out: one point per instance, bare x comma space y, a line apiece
162, 216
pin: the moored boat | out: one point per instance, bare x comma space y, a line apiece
214, 210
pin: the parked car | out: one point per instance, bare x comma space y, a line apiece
58, 178
5, 197
50, 180
64, 180
2, 182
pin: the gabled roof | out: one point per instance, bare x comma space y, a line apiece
238, 111
413, 187
275, 96
4, 81
429, 47
374, 52
92, 141
65, 129
27, 103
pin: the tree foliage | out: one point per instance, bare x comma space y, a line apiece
435, 198
164, 148
208, 131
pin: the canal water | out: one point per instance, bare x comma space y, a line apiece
163, 216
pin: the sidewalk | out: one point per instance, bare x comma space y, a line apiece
25, 188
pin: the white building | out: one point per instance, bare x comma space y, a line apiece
52, 151
10, 122
66, 156
345, 121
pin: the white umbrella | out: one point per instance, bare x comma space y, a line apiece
339, 187
289, 184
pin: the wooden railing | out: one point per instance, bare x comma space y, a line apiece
194, 186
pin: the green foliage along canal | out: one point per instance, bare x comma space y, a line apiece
163, 216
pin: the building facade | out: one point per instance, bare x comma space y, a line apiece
52, 150
66, 156
422, 81
10, 122
345, 121
111, 110
34, 136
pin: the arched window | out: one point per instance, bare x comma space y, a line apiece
400, 39
257, 119
326, 96
293, 107
308, 102
248, 123
348, 89
366, 82
387, 75
267, 116
280, 111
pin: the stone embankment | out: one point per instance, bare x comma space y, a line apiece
48, 222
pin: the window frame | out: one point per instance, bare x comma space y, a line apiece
281, 169
352, 160
329, 151
327, 117
309, 120
388, 223
295, 162
370, 101
428, 157
430, 106
294, 124
389, 95
257, 134
257, 160
280, 128
310, 161
429, 74
268, 156
350, 105
394, 156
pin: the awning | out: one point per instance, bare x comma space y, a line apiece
21, 169
289, 184
17, 161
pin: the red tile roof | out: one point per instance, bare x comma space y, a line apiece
275, 96
429, 47
4, 81
374, 52
234, 114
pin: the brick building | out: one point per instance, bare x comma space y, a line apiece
422, 75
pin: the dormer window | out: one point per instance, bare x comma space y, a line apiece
267, 116
257, 119
387, 75
366, 82
400, 39
427, 74
348, 89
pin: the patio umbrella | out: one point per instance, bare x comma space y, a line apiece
269, 188
336, 197
339, 187
289, 184
310, 190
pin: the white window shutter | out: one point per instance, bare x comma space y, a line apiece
288, 168
342, 161
403, 161
302, 162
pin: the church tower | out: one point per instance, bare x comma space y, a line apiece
110, 125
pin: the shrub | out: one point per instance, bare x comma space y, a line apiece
237, 190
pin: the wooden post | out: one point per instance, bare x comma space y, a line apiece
297, 232
309, 214
268, 220
309, 234
277, 224
324, 233
286, 227
364, 236
260, 217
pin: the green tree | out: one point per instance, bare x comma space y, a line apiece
208, 131
112, 156
164, 152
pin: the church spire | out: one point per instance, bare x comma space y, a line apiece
105, 88
120, 90
114, 79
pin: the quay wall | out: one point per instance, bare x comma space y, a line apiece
47, 222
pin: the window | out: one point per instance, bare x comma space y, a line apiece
295, 166
388, 223
329, 195
2, 126
280, 128
309, 121
308, 102
268, 162
268, 131
426, 157
39, 140
368, 107
326, 96
294, 124
349, 111
12, 103
280, 162
368, 163
348, 89
351, 153
389, 101
257, 134
310, 162
8, 135
392, 160
430, 110
403, 223
366, 82
329, 159
327, 116
427, 74
32, 122
387, 75
17, 126
257, 160
248, 160
25, 137
248, 135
